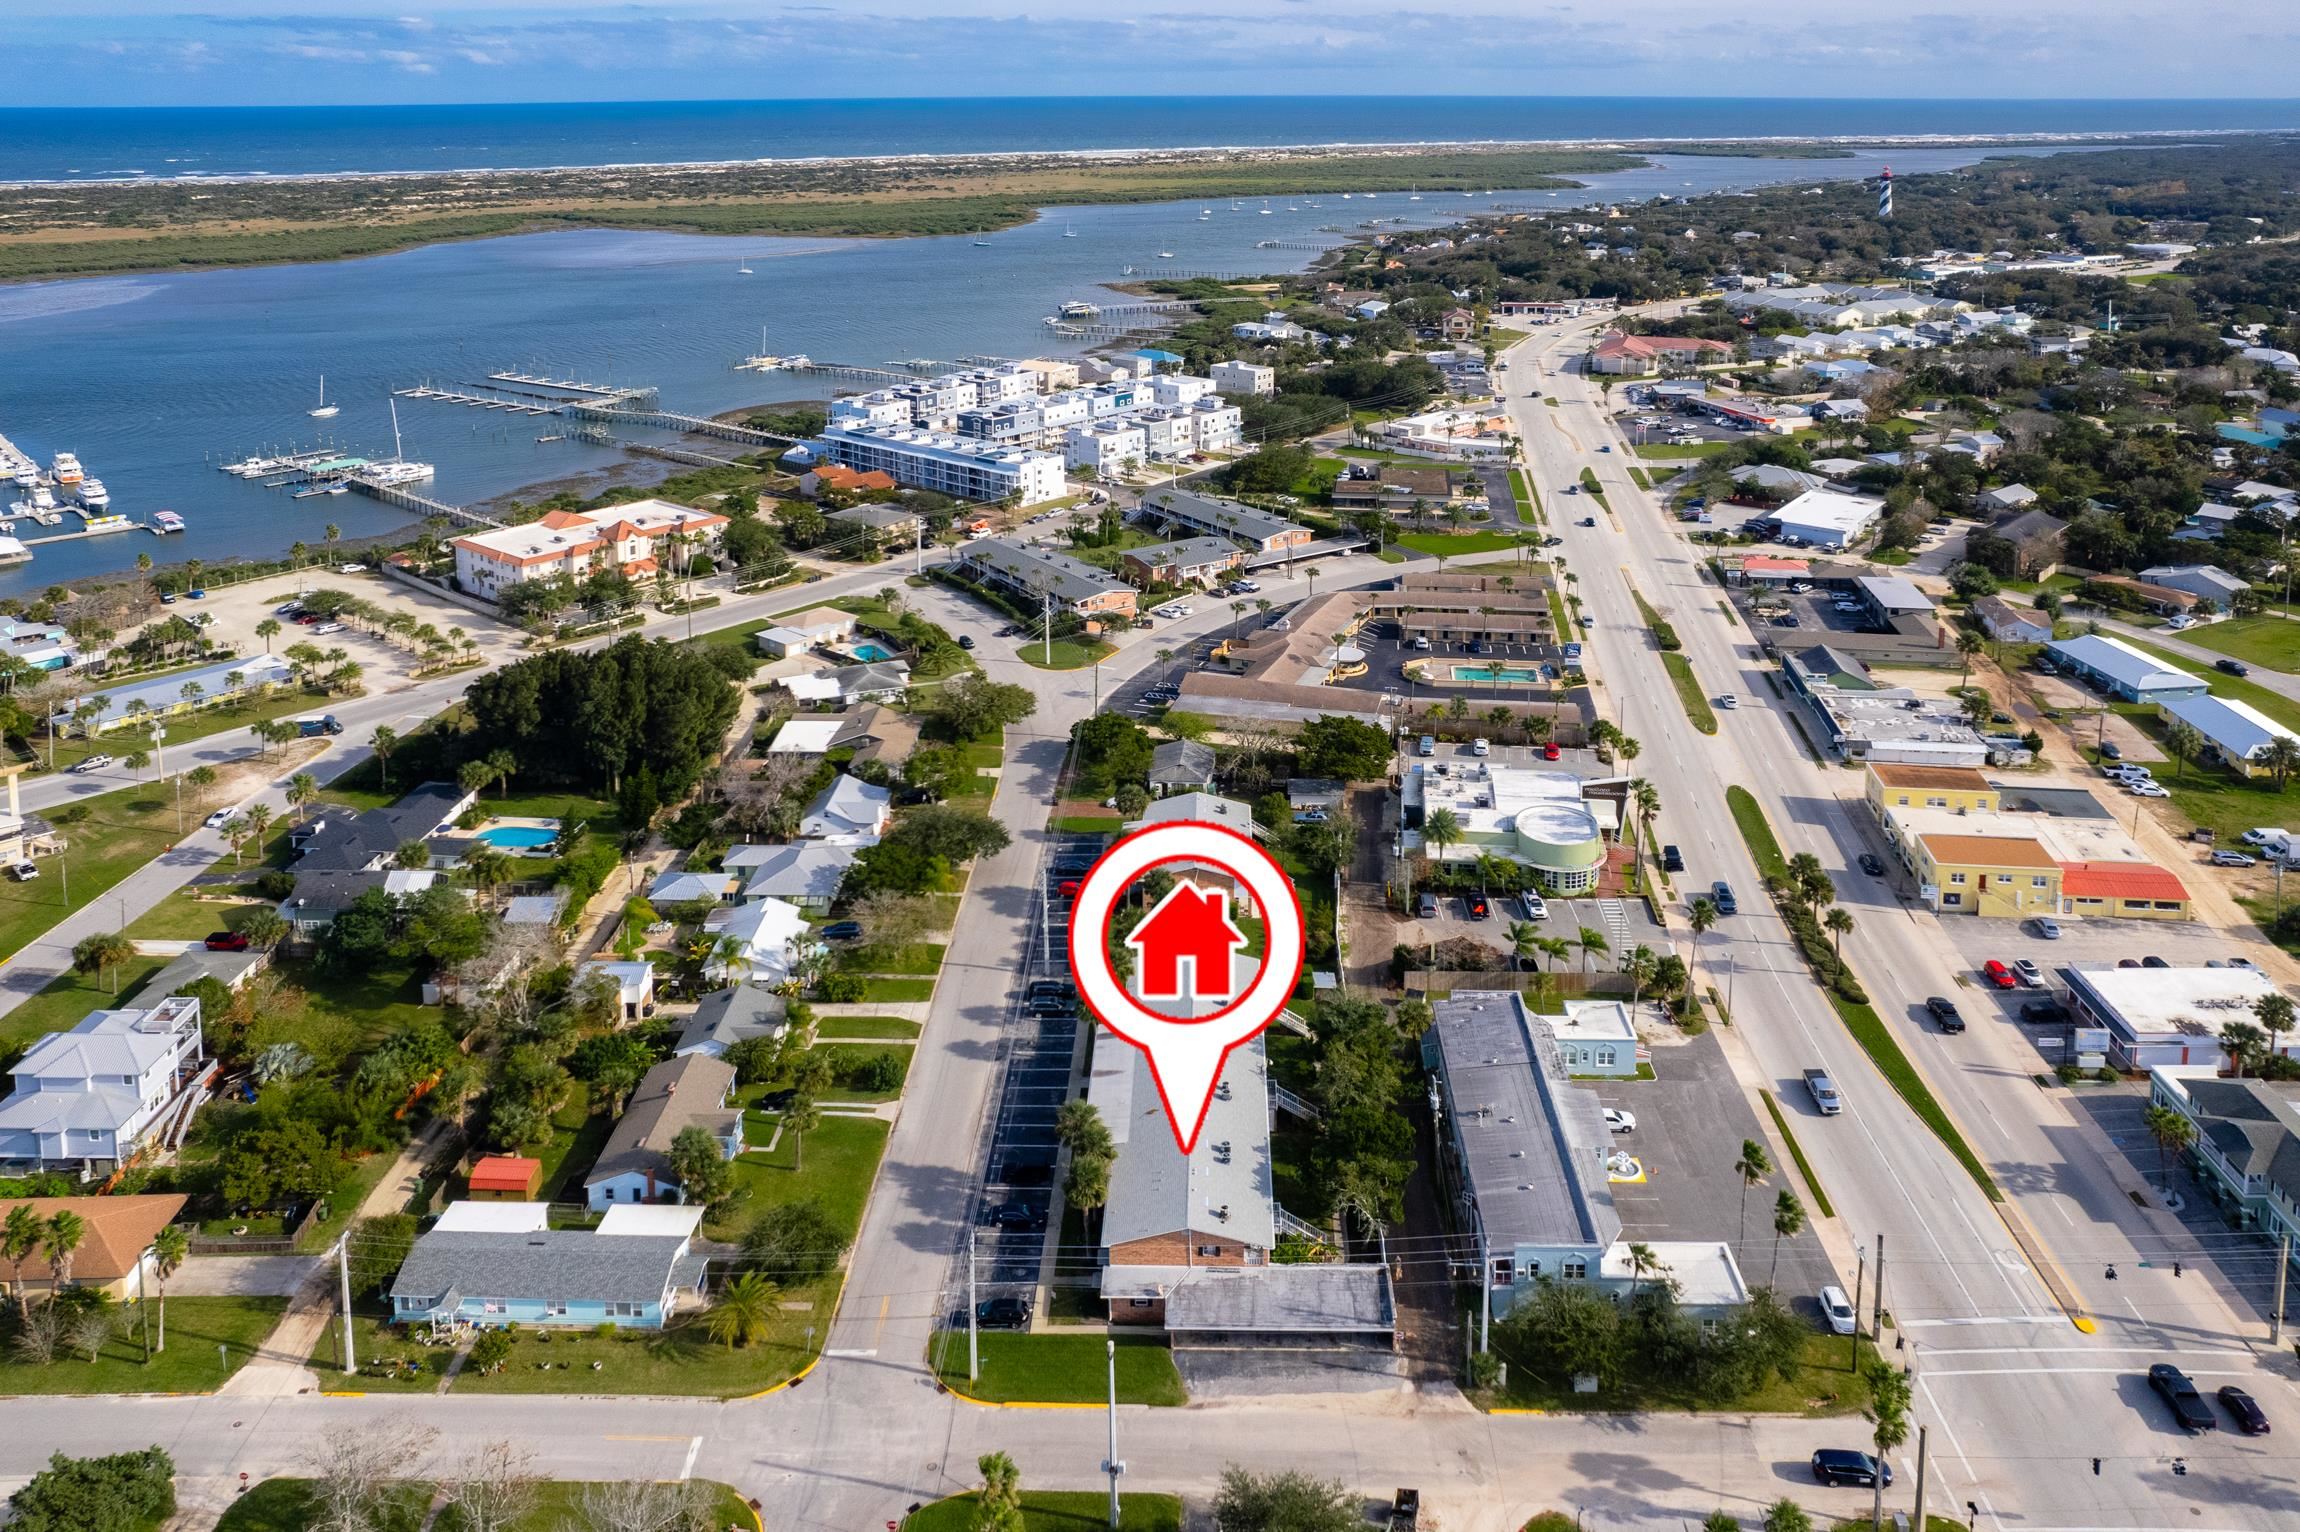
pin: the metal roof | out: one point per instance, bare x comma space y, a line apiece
575, 1265
1532, 1147
1154, 1189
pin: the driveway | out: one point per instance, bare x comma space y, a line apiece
242, 1276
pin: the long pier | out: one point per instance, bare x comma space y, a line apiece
694, 425
477, 401
73, 537
407, 499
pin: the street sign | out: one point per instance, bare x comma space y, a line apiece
1185, 954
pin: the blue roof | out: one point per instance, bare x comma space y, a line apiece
1149, 355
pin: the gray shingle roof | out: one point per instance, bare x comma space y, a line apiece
1056, 574
731, 1015
1532, 1146
573, 1264
1181, 763
676, 1093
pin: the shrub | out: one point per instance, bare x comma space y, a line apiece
125, 1492
840, 988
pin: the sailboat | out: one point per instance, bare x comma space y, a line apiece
743, 266
1413, 195
326, 411
1069, 233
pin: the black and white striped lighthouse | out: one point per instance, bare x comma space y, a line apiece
1885, 192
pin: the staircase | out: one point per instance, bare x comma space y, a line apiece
1286, 1101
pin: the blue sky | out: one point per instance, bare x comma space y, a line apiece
161, 52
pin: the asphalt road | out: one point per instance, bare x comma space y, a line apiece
2019, 1398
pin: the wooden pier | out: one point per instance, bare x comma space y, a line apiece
407, 499
73, 537
477, 401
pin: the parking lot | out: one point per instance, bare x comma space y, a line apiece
1015, 1205
1691, 1121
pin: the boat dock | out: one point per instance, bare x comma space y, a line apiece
408, 500
477, 401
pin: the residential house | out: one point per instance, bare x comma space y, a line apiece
880, 733
2245, 1150
634, 984
635, 538
337, 839
88, 1099
2009, 624
881, 524
1181, 766
136, 705
1458, 324
636, 1269
806, 875
1596, 1037
41, 645
690, 1091
764, 941
1243, 379
2005, 497
806, 735
806, 630
685, 885
1204, 808
733, 1015
2037, 538
848, 812
1038, 575
115, 1251
503, 1178
2116, 667
2207, 582
872, 681
836, 479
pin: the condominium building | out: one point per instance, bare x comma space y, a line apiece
1258, 530
1106, 446
1243, 379
952, 465
1036, 573
635, 538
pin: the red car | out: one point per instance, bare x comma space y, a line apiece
226, 941
1999, 975
1550, 752
1068, 888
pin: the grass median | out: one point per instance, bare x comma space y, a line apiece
1528, 498
1056, 1511
1797, 1153
1059, 1369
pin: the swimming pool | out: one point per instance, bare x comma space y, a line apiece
517, 837
870, 653
1525, 675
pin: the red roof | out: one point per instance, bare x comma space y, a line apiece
2119, 880
839, 476
1617, 344
1766, 563
1189, 923
504, 1173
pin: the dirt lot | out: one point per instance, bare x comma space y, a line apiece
238, 608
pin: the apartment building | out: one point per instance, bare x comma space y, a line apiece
952, 465
1258, 530
636, 538
1036, 573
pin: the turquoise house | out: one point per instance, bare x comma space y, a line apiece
498, 1265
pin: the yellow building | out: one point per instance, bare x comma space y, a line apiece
1957, 788
2005, 875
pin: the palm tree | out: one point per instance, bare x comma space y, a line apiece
1311, 574
259, 818
800, 1118
1640, 964
1592, 942
488, 867
1788, 1223
1524, 937
267, 630
745, 1311
1839, 922
102, 954
1701, 915
1441, 829
1969, 644
170, 1247
386, 740
19, 1242
1642, 1264
2281, 757
2183, 740
59, 1243
1889, 1400
1487, 865
302, 789
2243, 1041
2276, 1016
1805, 875
236, 834
2172, 1132
1753, 1166
1554, 948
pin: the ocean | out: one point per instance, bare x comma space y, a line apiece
153, 380
100, 142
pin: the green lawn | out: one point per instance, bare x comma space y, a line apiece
121, 832
1689, 691
68, 999
1528, 499
886, 991
846, 1056
190, 1365
1060, 1369
835, 1027
1057, 1511
1823, 1386
1750, 816
1087, 824
1670, 450
2272, 642
916, 958
202, 724
577, 1136
835, 1167
1451, 544
1067, 654
183, 917
285, 1505
1797, 1153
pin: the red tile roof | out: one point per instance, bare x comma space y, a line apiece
505, 1173
1617, 344
2120, 880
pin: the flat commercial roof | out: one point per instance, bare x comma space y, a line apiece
2156, 1001
1987, 851
1959, 779
1532, 1146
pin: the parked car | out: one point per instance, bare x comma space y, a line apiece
1618, 1120
1946, 1013
1480, 747
2110, 751
1672, 859
2179, 1394
23, 871
2043, 1011
842, 931
1068, 887
1535, 907
2031, 976
2234, 668
1872, 864
1478, 908
2147, 790
1836, 1465
1721, 895
1550, 752
2047, 928
1999, 975
287, 609
2246, 1409
1838, 1310
1017, 1215
326, 628
1426, 906
93, 763
226, 941
1003, 1313
2219, 858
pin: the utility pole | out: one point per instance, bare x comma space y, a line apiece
1877, 1313
973, 1332
1110, 1464
1046, 622
918, 547
1485, 1293
343, 1275
1860, 1270
144, 1308
2276, 1314
1918, 1520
